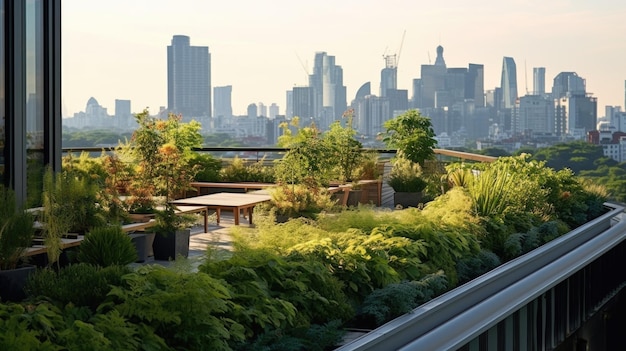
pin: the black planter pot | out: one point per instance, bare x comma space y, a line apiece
354, 197
12, 283
407, 199
169, 247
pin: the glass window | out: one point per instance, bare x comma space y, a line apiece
2, 99
34, 101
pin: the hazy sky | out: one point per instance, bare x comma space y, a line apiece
117, 49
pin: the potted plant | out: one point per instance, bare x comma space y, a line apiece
346, 154
16, 235
172, 234
413, 136
407, 181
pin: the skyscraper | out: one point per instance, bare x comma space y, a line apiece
188, 78
389, 75
329, 93
508, 83
539, 80
475, 84
568, 83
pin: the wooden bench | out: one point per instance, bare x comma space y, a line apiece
65, 243
217, 185
364, 184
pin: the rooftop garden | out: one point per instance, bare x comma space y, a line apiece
295, 284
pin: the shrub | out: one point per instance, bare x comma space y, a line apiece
190, 311
208, 167
107, 246
299, 200
393, 300
239, 171
81, 284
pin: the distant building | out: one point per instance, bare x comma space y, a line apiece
273, 111
508, 83
539, 80
223, 106
576, 115
568, 83
576, 111
533, 114
262, 109
370, 113
253, 111
389, 75
123, 115
188, 79
329, 93
302, 102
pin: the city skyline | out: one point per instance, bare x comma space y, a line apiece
117, 50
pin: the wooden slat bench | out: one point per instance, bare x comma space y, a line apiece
241, 186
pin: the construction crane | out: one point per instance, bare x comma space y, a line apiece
392, 61
400, 49
305, 67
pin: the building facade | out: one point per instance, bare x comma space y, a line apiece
508, 83
223, 101
539, 80
30, 95
188, 79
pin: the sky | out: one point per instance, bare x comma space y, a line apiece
117, 49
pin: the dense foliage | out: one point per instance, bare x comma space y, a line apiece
295, 285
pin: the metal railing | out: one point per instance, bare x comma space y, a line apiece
454, 319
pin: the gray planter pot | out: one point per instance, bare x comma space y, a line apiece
354, 197
407, 199
143, 245
12, 283
168, 247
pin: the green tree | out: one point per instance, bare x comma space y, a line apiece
412, 134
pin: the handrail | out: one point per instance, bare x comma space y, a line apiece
442, 152
492, 291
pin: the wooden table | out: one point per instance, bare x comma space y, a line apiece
204, 210
226, 201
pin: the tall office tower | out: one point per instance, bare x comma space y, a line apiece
389, 75
432, 79
533, 114
371, 112
223, 106
455, 83
329, 93
508, 83
273, 111
188, 78
575, 115
475, 84
613, 115
539, 80
568, 83
302, 100
123, 116
416, 99
262, 109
